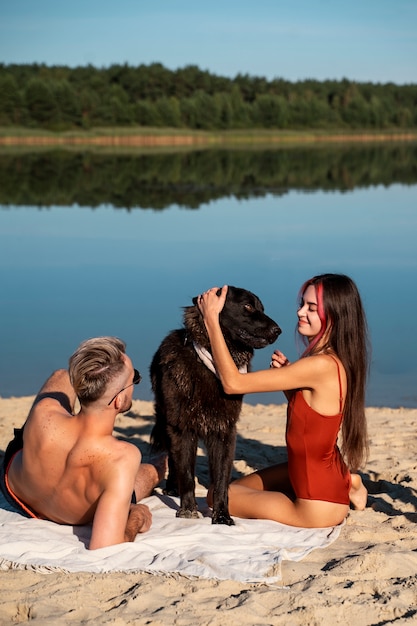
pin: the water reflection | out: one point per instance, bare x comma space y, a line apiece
193, 178
68, 273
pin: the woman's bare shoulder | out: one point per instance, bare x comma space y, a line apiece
319, 366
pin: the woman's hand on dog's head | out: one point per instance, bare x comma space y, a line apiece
211, 302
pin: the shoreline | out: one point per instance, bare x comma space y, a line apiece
149, 138
369, 571
246, 406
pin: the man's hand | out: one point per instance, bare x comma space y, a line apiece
139, 521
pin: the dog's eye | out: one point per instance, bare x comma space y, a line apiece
249, 308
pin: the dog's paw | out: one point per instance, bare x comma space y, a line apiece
187, 514
170, 491
222, 518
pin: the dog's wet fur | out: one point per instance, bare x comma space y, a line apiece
190, 403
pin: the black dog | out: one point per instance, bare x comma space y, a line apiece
190, 402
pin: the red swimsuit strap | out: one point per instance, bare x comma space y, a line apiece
340, 383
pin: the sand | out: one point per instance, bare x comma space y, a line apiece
368, 576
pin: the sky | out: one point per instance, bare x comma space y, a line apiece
361, 40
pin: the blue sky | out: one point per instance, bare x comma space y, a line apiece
363, 40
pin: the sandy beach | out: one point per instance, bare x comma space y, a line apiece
368, 576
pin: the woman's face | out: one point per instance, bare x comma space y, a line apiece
309, 323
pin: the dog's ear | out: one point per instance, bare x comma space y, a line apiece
195, 301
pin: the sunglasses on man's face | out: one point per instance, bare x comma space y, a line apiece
136, 380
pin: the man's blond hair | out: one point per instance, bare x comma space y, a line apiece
94, 364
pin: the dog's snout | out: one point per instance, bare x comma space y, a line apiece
275, 331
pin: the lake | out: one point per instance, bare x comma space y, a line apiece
96, 244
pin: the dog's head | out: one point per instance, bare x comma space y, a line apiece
244, 322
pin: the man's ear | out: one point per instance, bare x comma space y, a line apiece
118, 401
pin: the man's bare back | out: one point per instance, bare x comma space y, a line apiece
72, 470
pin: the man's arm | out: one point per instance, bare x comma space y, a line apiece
58, 387
116, 520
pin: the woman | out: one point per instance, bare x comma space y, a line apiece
325, 389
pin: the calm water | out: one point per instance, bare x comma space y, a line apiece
68, 273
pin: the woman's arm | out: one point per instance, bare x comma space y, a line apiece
278, 360
210, 305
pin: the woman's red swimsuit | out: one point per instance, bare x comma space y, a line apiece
315, 465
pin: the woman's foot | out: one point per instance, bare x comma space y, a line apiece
358, 494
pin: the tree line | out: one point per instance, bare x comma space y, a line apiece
157, 181
61, 98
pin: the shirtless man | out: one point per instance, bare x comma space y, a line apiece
71, 470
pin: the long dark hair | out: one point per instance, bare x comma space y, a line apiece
344, 331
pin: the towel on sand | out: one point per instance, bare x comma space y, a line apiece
250, 551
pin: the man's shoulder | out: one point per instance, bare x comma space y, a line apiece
115, 462
111, 450
125, 450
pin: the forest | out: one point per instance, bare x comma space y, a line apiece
60, 98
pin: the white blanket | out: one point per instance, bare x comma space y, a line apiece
250, 551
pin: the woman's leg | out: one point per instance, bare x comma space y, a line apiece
249, 503
274, 478
358, 493
267, 494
